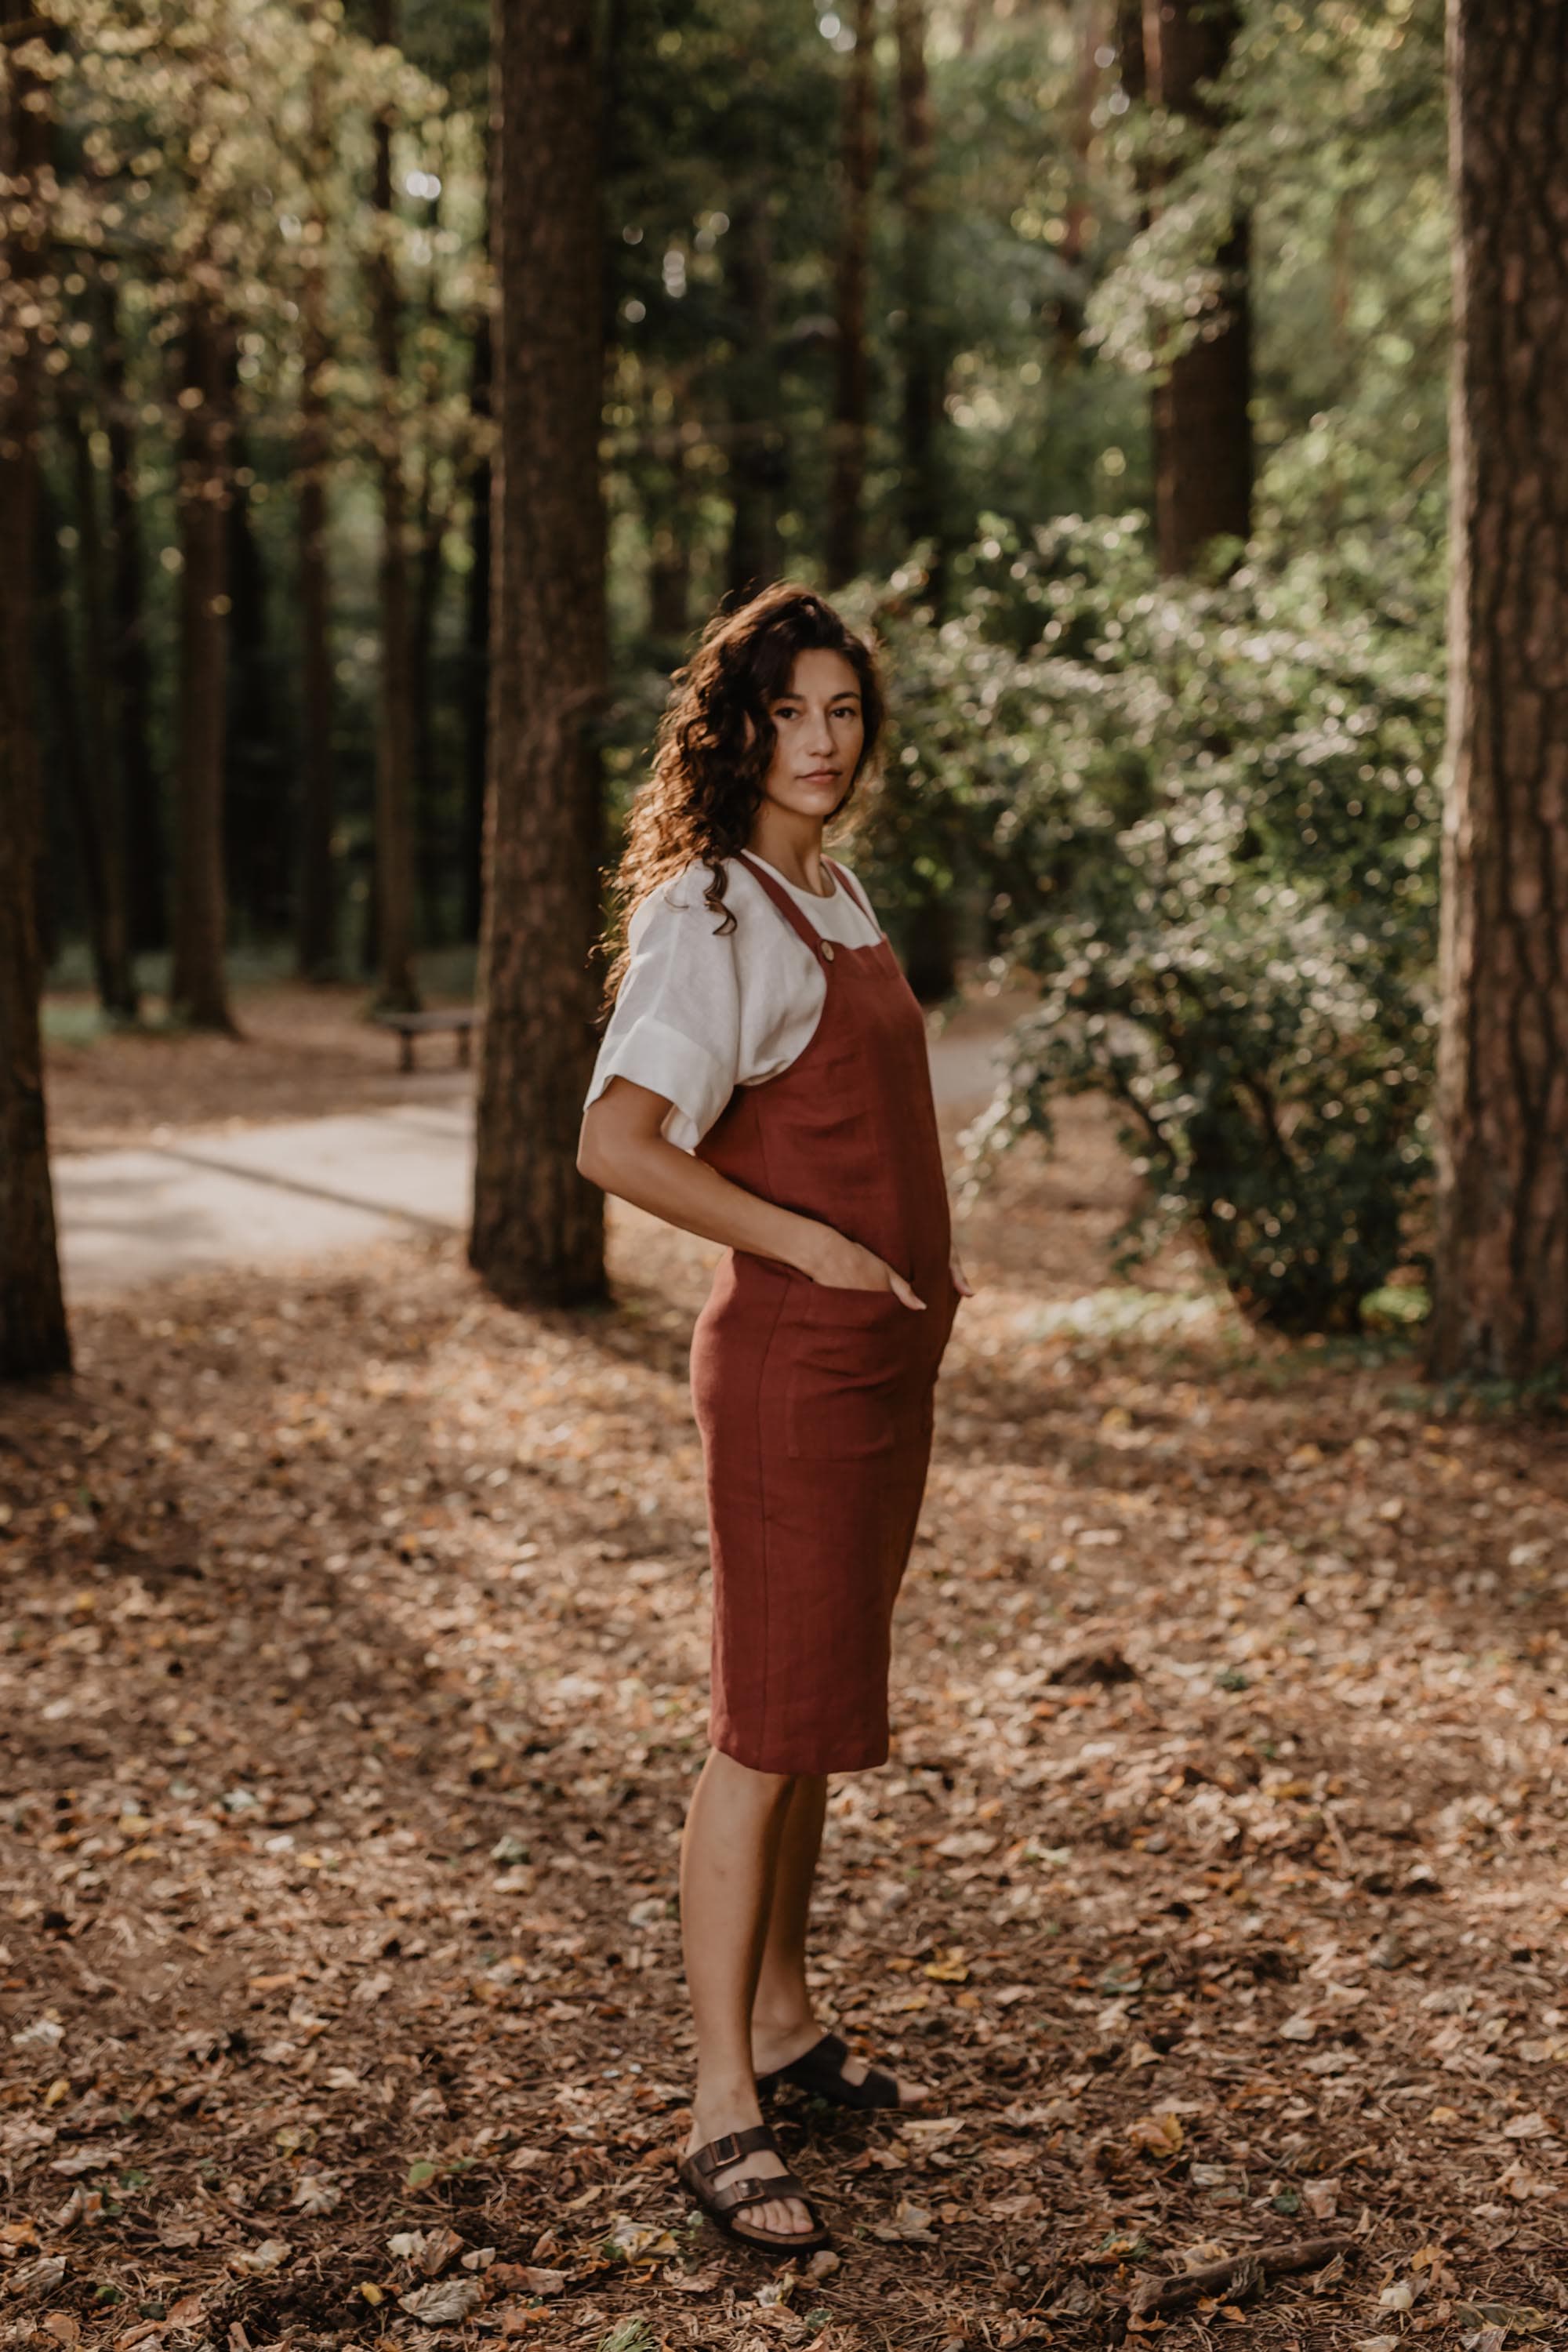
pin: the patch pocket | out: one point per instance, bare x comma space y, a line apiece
848, 1375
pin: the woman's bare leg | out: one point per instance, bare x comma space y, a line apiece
783, 2025
728, 1858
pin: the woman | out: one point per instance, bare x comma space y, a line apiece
764, 1082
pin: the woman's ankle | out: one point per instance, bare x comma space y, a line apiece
778, 2015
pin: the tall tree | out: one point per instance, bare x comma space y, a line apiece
1202, 420
477, 634
34, 1340
920, 484
757, 456
851, 395
1502, 1097
129, 666
538, 1232
396, 988
317, 930
198, 990
111, 941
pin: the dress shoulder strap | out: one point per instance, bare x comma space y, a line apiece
798, 923
850, 883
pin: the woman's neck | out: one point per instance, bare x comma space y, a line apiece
794, 848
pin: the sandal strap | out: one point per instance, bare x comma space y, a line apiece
729, 2148
758, 2188
823, 2064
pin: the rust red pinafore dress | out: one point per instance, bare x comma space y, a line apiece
815, 1403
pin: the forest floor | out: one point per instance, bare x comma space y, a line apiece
353, 1679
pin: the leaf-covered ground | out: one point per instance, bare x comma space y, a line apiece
352, 1685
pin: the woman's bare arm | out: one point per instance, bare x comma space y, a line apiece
623, 1151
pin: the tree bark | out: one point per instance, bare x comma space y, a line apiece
921, 481
317, 942
851, 396
396, 989
198, 993
34, 1339
1201, 416
106, 799
129, 669
538, 1232
260, 853
759, 464
477, 643
1501, 1310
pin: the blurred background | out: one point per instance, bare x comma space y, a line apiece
1096, 354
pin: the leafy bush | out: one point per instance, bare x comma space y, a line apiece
1208, 820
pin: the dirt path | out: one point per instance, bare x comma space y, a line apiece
260, 1190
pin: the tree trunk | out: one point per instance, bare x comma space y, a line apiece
317, 913
79, 747
851, 396
34, 1339
106, 799
128, 669
1093, 25
1202, 422
433, 522
538, 1234
1503, 1089
397, 990
259, 852
317, 908
759, 466
477, 645
920, 484
198, 993
667, 520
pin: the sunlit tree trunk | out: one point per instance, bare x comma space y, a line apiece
397, 989
1501, 1310
538, 1232
198, 990
34, 1340
851, 395
1202, 416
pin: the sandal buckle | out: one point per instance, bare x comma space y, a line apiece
727, 2150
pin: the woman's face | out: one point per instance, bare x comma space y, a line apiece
819, 734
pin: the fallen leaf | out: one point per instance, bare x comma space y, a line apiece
260, 2260
1156, 2135
538, 2281
444, 2303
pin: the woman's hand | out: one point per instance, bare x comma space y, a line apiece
840, 1263
961, 1281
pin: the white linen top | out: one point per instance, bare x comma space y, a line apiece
701, 1012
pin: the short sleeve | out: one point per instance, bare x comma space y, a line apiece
676, 1026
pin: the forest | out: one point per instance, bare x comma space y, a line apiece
1176, 392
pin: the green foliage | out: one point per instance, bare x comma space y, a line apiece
1208, 820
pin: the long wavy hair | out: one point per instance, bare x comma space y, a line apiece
705, 787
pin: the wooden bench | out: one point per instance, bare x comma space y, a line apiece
459, 1019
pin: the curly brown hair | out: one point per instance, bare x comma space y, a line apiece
705, 788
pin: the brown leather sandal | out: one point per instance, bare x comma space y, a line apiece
721, 2205
820, 2070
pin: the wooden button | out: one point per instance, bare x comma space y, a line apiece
827, 950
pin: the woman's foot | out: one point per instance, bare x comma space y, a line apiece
776, 2048
782, 2217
